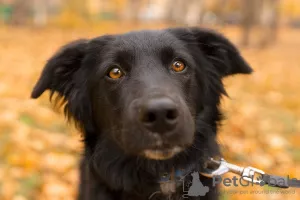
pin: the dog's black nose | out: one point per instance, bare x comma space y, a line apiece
159, 114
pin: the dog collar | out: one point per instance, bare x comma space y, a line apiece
169, 181
175, 174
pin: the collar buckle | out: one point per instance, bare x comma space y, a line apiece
247, 173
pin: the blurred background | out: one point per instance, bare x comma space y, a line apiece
39, 153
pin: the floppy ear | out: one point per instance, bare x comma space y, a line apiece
217, 49
58, 73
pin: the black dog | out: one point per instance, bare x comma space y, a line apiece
147, 103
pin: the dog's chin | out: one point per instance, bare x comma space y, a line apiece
162, 153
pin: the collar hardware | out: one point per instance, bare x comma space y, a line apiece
247, 173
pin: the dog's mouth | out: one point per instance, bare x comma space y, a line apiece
162, 153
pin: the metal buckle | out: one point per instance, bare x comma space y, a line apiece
222, 169
247, 173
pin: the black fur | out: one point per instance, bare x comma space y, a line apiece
112, 167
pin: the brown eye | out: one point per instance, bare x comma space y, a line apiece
178, 66
115, 73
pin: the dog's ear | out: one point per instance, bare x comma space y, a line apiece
58, 73
217, 49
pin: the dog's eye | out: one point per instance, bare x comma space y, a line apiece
178, 66
115, 73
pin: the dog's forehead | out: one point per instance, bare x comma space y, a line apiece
144, 41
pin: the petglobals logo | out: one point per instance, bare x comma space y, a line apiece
195, 188
246, 181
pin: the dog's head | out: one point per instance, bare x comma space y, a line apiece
143, 90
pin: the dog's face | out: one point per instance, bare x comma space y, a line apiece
143, 90
145, 98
